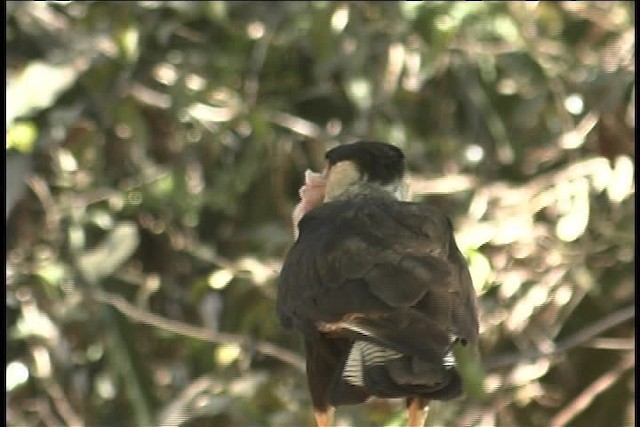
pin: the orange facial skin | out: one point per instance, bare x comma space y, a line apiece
311, 195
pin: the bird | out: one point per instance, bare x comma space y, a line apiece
376, 285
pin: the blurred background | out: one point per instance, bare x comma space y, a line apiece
154, 154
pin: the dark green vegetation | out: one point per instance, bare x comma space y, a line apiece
166, 142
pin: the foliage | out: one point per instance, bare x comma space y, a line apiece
162, 146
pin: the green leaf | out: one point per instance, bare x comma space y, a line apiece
21, 136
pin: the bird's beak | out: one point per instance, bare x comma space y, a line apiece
311, 195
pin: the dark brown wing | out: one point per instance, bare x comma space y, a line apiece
384, 272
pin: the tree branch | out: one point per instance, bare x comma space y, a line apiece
568, 343
177, 412
584, 399
61, 403
202, 334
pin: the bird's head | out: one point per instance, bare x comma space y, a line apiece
364, 166
351, 170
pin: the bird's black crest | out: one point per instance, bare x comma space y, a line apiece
379, 161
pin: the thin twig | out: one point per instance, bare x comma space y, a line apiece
43, 408
178, 411
562, 346
63, 406
612, 344
254, 67
297, 125
584, 399
202, 334
41, 189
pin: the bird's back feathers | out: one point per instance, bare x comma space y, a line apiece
388, 276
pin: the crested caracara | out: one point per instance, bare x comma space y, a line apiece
377, 286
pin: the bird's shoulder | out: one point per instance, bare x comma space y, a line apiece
384, 217
346, 243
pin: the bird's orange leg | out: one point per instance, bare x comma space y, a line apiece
418, 408
324, 418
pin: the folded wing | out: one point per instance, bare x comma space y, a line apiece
388, 278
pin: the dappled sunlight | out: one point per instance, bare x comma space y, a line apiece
155, 151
